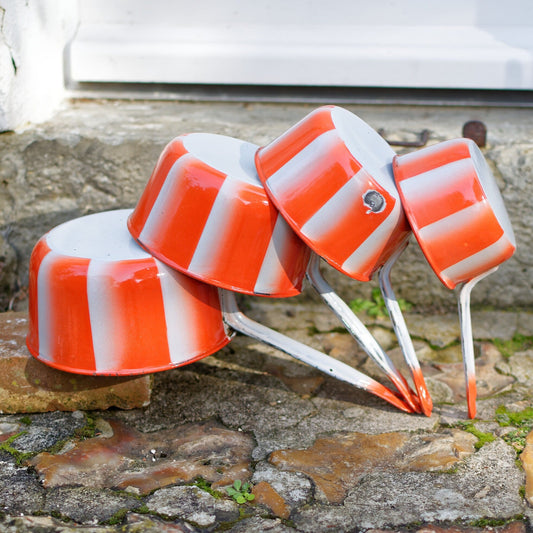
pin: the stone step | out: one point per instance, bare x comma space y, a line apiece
98, 155
29, 386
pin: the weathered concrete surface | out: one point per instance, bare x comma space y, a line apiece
98, 155
386, 499
319, 454
29, 386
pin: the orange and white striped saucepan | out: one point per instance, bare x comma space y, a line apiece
458, 216
100, 305
330, 175
205, 213
455, 209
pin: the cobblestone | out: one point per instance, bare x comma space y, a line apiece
319, 454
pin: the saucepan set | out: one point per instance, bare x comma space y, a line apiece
152, 288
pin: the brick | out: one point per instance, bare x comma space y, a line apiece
29, 386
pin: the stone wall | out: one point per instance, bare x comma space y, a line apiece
97, 155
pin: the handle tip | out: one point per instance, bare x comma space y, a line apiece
471, 393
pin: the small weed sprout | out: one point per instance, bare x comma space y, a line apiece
240, 492
375, 307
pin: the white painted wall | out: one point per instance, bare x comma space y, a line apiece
33, 35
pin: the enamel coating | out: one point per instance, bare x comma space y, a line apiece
205, 213
100, 305
455, 209
330, 176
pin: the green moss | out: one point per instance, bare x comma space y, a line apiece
482, 437
452, 470
523, 418
517, 344
20, 457
143, 509
117, 518
495, 522
227, 526
58, 516
289, 523
517, 438
204, 485
522, 491
88, 431
312, 330
26, 420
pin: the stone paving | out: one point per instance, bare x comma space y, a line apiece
319, 455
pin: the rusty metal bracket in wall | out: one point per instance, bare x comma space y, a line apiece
473, 129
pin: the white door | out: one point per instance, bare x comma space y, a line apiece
468, 44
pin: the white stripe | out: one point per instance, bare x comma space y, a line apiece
44, 308
214, 234
452, 225
302, 165
367, 147
486, 258
490, 188
181, 338
101, 312
327, 217
268, 279
436, 183
164, 206
227, 155
375, 243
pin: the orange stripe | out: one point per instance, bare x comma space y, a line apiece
426, 403
426, 159
138, 315
178, 237
328, 173
171, 153
386, 394
464, 190
69, 310
273, 156
452, 246
245, 237
204, 316
471, 394
39, 252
